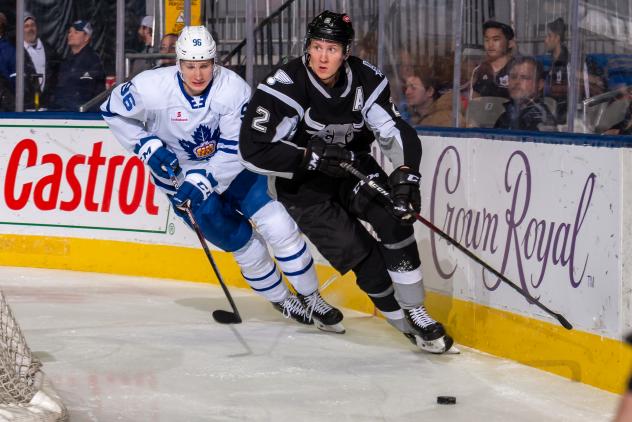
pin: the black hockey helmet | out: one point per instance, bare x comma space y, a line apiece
331, 26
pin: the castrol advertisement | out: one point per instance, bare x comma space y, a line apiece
74, 179
547, 216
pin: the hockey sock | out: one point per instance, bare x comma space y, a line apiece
290, 249
259, 269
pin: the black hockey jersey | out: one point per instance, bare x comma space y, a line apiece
486, 83
292, 105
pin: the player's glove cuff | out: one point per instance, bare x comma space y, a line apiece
152, 151
404, 176
195, 189
326, 158
404, 184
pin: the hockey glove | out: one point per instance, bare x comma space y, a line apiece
326, 158
405, 194
155, 154
195, 189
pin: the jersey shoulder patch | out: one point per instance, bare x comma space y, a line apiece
368, 76
374, 68
288, 80
279, 76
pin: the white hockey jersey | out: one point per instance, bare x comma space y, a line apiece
202, 131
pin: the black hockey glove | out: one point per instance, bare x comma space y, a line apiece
326, 158
405, 194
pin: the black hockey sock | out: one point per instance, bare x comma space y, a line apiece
373, 279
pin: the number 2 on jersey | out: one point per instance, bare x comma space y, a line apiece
258, 122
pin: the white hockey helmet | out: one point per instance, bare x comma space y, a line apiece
195, 43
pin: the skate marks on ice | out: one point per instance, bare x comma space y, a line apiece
137, 349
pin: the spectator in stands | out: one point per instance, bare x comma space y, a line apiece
616, 118
491, 78
168, 45
146, 36
41, 64
421, 91
366, 47
7, 55
81, 74
404, 67
526, 110
556, 81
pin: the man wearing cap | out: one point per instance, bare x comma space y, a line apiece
491, 78
146, 36
556, 81
81, 75
41, 64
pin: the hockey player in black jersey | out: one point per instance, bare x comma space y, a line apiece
324, 109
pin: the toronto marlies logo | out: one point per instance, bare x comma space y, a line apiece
203, 145
341, 133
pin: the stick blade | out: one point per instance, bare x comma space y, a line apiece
226, 317
564, 322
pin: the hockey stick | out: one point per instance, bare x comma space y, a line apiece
220, 316
387, 197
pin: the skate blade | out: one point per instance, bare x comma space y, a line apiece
453, 350
334, 328
443, 345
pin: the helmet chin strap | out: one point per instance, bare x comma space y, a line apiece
180, 70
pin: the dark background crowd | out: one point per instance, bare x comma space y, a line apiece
75, 40
509, 78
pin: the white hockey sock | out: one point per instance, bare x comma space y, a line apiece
259, 269
409, 287
290, 249
397, 320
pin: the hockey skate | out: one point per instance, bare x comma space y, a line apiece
325, 316
291, 307
428, 334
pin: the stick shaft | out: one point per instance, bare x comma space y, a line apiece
207, 251
387, 197
209, 256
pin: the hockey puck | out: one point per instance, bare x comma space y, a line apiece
446, 400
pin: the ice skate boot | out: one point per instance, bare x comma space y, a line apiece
291, 307
325, 316
429, 335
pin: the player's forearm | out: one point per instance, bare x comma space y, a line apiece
277, 157
126, 131
412, 146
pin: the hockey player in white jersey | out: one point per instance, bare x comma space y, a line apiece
187, 117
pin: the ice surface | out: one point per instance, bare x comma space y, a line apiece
137, 349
